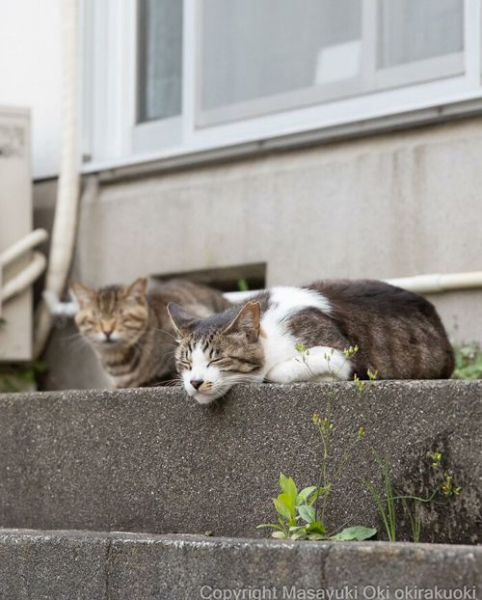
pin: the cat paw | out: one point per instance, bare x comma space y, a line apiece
280, 374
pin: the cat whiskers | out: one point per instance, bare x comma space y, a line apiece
73, 336
166, 333
231, 381
75, 341
170, 354
174, 382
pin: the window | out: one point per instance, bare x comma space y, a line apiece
419, 40
199, 74
259, 57
159, 59
275, 49
416, 30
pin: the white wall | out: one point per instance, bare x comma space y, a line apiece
30, 73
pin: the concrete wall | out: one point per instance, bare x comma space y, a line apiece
153, 460
387, 206
30, 73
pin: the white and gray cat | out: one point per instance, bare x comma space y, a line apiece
291, 334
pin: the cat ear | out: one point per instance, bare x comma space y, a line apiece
137, 291
83, 294
182, 321
247, 320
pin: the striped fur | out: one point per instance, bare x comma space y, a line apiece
291, 334
129, 328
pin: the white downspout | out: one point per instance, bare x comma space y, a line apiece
65, 219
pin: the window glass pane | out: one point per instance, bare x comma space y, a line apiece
258, 48
413, 30
159, 59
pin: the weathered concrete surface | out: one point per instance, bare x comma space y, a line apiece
88, 566
153, 460
52, 565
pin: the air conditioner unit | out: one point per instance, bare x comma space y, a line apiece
15, 224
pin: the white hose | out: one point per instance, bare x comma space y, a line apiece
34, 238
25, 278
65, 219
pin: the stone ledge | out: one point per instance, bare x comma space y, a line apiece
153, 460
122, 566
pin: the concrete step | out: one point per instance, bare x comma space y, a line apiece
60, 565
152, 460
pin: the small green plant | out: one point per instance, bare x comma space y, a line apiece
468, 362
328, 477
292, 507
413, 513
243, 285
303, 352
386, 500
359, 384
301, 514
436, 457
448, 487
298, 519
351, 351
20, 377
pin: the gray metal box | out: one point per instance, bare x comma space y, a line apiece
15, 223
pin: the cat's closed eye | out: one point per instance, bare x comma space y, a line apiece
87, 323
216, 360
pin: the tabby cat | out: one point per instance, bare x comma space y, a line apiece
130, 330
290, 334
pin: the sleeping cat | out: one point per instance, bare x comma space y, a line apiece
290, 334
130, 330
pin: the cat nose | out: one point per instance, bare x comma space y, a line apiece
197, 383
107, 329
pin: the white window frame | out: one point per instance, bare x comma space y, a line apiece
370, 80
114, 138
